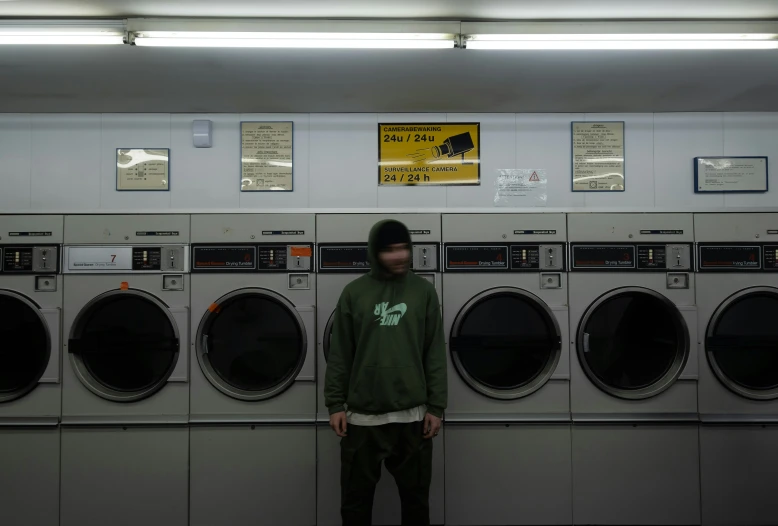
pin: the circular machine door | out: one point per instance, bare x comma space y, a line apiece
742, 343
633, 343
328, 336
252, 344
124, 345
25, 346
505, 343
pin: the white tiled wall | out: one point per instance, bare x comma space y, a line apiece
543, 141
15, 161
66, 162
65, 159
301, 163
638, 166
130, 131
344, 161
747, 134
205, 177
678, 139
498, 151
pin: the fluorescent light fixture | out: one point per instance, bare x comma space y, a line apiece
656, 41
85, 40
64, 32
300, 40
628, 35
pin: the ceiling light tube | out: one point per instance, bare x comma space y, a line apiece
621, 42
299, 40
62, 32
652, 35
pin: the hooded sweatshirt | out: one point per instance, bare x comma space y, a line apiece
387, 351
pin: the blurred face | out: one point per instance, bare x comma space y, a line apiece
396, 259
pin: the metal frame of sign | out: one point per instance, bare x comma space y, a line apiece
116, 168
240, 153
572, 155
697, 182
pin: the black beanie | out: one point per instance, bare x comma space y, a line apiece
391, 233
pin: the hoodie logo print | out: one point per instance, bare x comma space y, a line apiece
389, 315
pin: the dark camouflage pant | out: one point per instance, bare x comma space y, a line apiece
407, 456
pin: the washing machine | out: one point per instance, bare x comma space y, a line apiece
737, 294
633, 386
508, 417
125, 392
342, 257
253, 390
30, 353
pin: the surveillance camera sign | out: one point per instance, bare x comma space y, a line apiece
434, 153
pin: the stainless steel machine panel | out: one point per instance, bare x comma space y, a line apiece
737, 293
631, 227
240, 457
634, 372
252, 391
125, 475
140, 229
29, 477
508, 474
505, 310
30, 368
620, 469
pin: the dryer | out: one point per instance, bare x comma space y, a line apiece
342, 257
508, 416
634, 369
737, 294
253, 391
125, 397
30, 353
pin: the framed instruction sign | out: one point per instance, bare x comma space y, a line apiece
730, 174
142, 169
598, 156
433, 153
266, 155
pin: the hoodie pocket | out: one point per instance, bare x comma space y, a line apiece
382, 389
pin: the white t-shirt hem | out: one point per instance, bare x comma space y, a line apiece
414, 414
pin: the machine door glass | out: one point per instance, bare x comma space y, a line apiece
252, 344
505, 343
633, 343
742, 343
124, 345
25, 346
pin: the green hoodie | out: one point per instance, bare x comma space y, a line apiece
387, 351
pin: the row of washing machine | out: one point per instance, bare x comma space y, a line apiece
603, 368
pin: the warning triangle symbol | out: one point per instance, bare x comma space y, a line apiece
534, 177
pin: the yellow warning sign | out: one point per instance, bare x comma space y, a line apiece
429, 154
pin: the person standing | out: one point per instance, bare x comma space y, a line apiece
385, 385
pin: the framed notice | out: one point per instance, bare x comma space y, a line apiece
266, 154
598, 156
143, 169
429, 154
730, 174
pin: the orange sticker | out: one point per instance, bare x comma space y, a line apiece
301, 252
124, 286
214, 307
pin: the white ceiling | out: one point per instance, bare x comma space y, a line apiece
450, 9
133, 79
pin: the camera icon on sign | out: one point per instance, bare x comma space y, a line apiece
455, 145
593, 184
